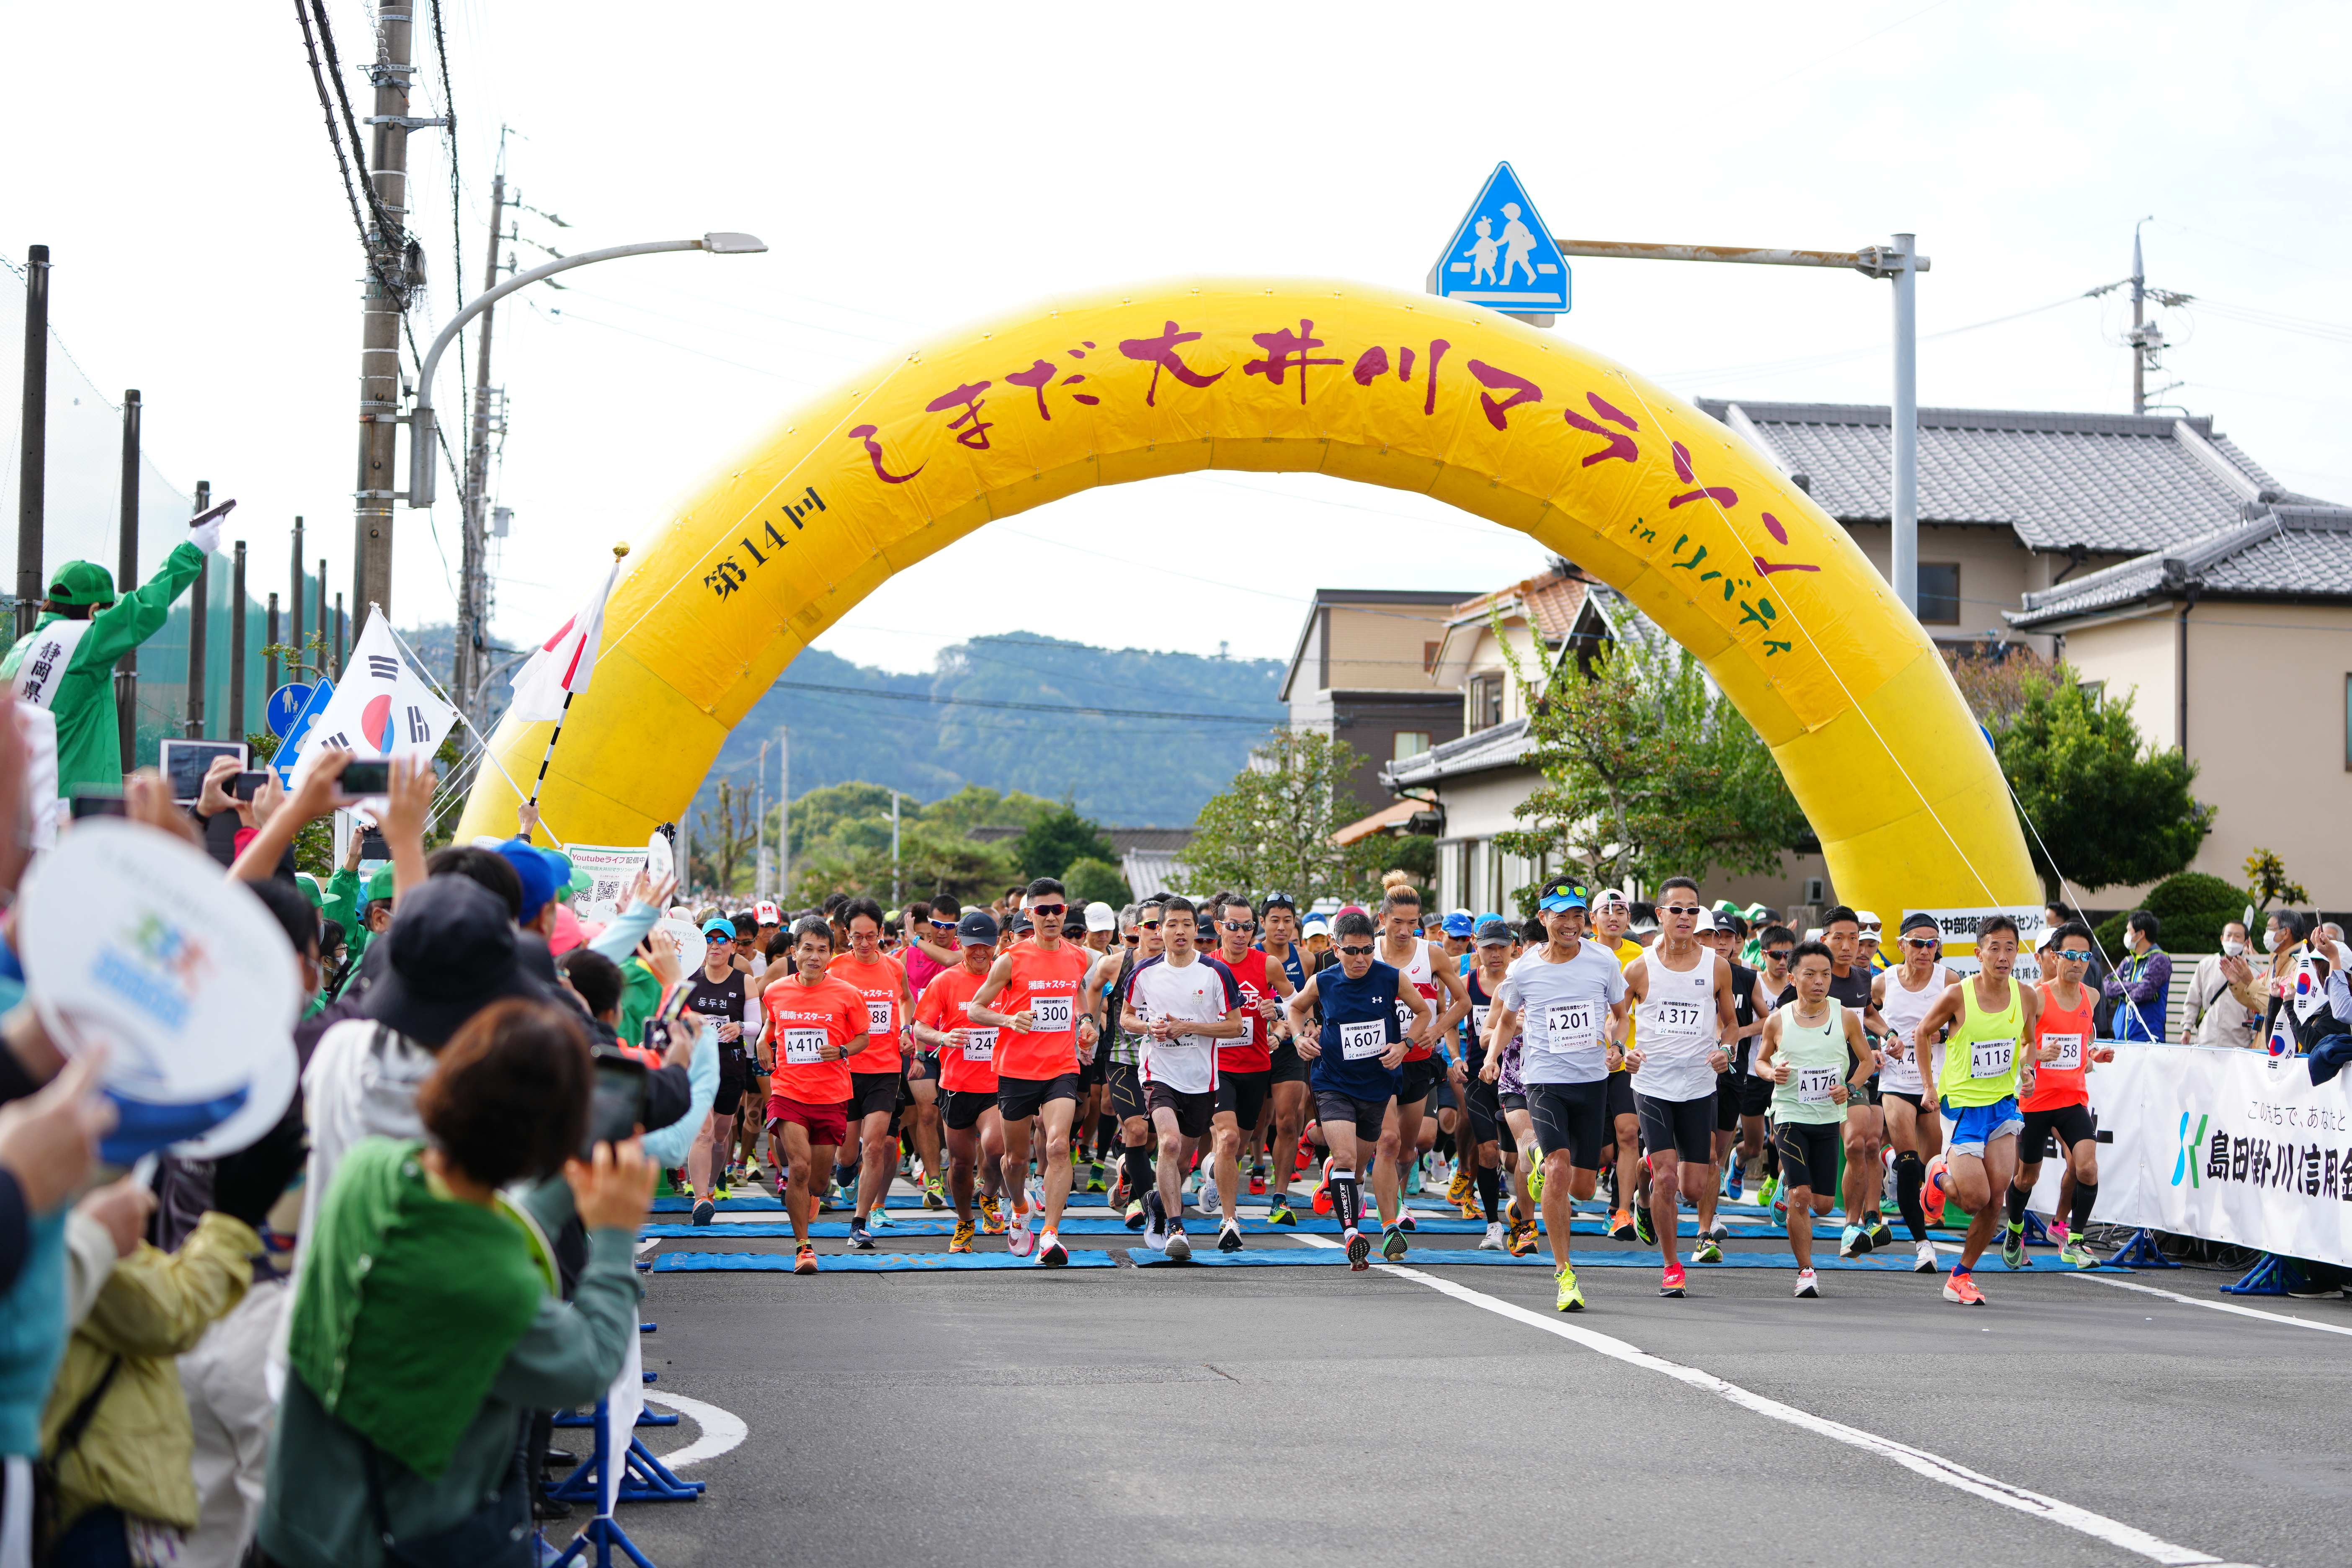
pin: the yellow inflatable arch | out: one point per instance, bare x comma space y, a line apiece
1513, 423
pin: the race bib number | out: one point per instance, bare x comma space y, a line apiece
979, 1045
1814, 1084
1358, 1041
1404, 1019
877, 1016
1478, 1022
1678, 1017
2069, 1051
1053, 1013
1567, 1025
802, 1045
1991, 1059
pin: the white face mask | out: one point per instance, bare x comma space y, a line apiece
2234, 949
2271, 940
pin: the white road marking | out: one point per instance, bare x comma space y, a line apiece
2217, 1306
1919, 1461
718, 1430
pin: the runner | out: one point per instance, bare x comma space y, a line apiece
966, 1054
1572, 995
1438, 979
1722, 933
1612, 917
1037, 1064
1094, 931
2059, 1101
1814, 1053
1773, 947
1245, 1066
1682, 1009
1978, 1082
1356, 1061
1185, 1004
814, 1022
1913, 1130
1105, 997
1481, 1098
875, 1091
716, 993
1849, 983
1278, 921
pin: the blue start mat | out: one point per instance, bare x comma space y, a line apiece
1427, 1258
859, 1262
1081, 1225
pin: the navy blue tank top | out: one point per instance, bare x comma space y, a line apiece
1360, 1024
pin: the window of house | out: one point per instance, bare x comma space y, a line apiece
1939, 592
2094, 692
1485, 701
2347, 723
1429, 657
1409, 744
1815, 889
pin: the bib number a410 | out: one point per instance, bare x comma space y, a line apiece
802, 1048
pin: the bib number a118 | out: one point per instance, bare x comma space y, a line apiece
1991, 1059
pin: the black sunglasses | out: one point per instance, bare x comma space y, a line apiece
1036, 911
1132, 940
1239, 925
1364, 951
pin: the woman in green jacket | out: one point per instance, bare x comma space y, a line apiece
425, 1322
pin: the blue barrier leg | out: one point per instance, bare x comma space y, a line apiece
2268, 1277
2140, 1252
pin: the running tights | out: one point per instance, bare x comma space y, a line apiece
1490, 1190
1910, 1175
1138, 1170
1347, 1199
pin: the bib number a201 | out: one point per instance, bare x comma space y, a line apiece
1991, 1059
2069, 1051
1814, 1084
1358, 1041
1052, 1013
801, 1047
1568, 1025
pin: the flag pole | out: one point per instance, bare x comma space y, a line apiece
619, 550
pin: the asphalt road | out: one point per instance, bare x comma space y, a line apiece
1182, 1414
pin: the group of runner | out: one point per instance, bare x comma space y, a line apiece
1225, 1043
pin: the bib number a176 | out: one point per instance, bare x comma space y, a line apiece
1814, 1084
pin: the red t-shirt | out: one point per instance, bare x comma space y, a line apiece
941, 1007
802, 1017
1045, 984
2055, 1084
1250, 1053
879, 983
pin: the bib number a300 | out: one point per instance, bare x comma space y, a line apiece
1358, 1041
801, 1047
1991, 1059
1052, 1014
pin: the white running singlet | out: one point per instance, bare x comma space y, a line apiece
1903, 1010
1677, 1027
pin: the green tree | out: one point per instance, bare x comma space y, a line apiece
1648, 772
977, 805
1050, 843
857, 810
1092, 882
722, 842
1271, 827
2116, 810
2191, 910
2266, 874
931, 862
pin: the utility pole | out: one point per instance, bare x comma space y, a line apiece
382, 306
269, 664
199, 602
473, 596
894, 849
126, 577
237, 644
785, 815
32, 470
2145, 338
760, 825
326, 651
294, 605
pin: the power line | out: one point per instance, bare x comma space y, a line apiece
1260, 719
335, 139
457, 233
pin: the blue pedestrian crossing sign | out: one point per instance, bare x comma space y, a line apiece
1501, 255
283, 703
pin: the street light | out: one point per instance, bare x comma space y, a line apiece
420, 426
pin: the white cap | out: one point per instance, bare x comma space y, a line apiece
1706, 922
1315, 925
1101, 917
767, 914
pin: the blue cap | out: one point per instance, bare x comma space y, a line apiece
538, 871
723, 927
1561, 895
1460, 924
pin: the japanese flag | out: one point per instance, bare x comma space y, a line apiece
383, 708
565, 661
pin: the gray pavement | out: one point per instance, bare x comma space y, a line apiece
1167, 1415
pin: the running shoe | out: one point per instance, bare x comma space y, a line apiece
2077, 1254
1719, 1232
2013, 1246
1359, 1250
1925, 1258
1457, 1191
1670, 1283
1706, 1251
1019, 1239
1620, 1226
1257, 1181
1051, 1253
991, 1215
1493, 1240
2060, 1237
1405, 1222
1522, 1240
1735, 1184
1394, 1244
1570, 1298
1536, 1182
702, 1212
1322, 1204
1809, 1283
779, 1188
881, 1219
1767, 1190
1133, 1218
1208, 1200
961, 1240
1511, 1208
1780, 1209
1095, 1176
805, 1260
935, 1194
1278, 1211
721, 1191
1961, 1286
860, 1238
1468, 1207
1155, 1220
1413, 1177
1229, 1238
1180, 1246
1644, 1231
1880, 1236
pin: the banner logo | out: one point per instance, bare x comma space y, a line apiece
2185, 1161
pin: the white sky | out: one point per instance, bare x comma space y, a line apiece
918, 164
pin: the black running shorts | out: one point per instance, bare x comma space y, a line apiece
1346, 1110
1684, 1126
1727, 1102
1420, 1078
1621, 1097
2072, 1123
1486, 1110
1289, 1066
1755, 1095
872, 1094
1192, 1111
1124, 1082
1572, 1116
961, 1107
1020, 1098
1243, 1095
1809, 1157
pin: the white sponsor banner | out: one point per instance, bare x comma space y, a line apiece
1958, 927
614, 868
2232, 1145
